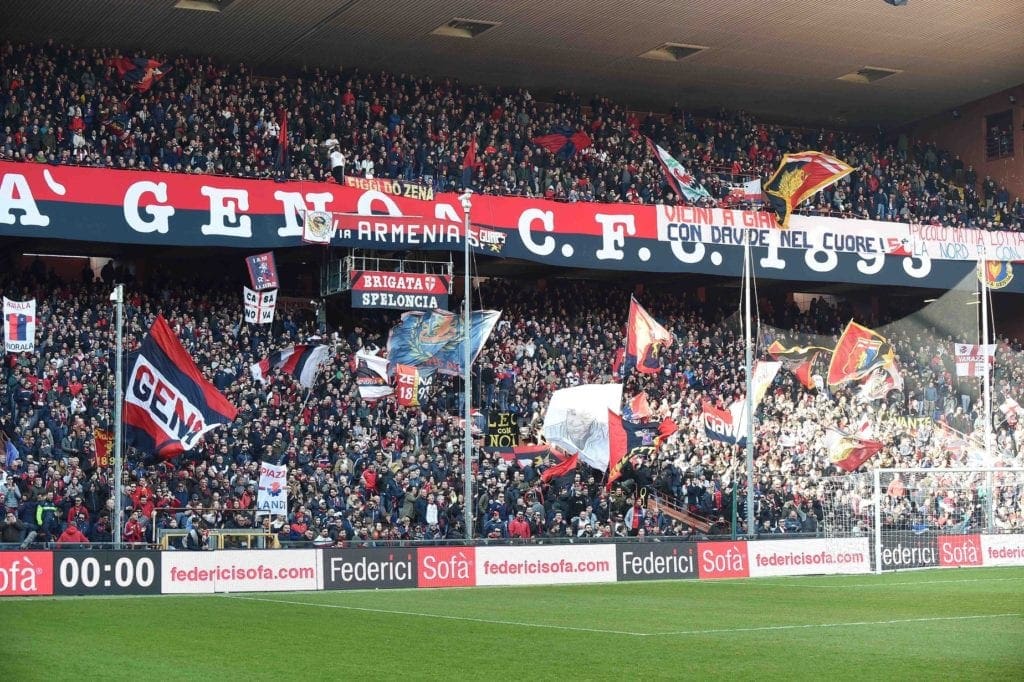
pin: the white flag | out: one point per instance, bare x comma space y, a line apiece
577, 421
970, 356
19, 326
272, 496
318, 227
259, 305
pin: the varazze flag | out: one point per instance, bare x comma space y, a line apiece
645, 339
860, 351
798, 177
301, 362
168, 405
577, 421
272, 494
969, 358
259, 305
684, 183
434, 339
19, 326
371, 372
262, 271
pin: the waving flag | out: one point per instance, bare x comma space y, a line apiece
262, 271
563, 141
103, 441
577, 421
880, 383
684, 183
638, 407
849, 451
645, 339
141, 72
970, 358
168, 405
860, 351
301, 362
433, 339
798, 177
798, 359
371, 373
724, 425
628, 442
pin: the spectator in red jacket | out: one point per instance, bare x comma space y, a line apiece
72, 536
518, 527
133, 530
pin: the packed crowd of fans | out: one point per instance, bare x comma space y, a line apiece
63, 105
367, 472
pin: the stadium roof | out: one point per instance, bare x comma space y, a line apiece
777, 58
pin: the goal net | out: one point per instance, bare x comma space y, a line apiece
918, 518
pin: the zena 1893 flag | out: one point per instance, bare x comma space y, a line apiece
301, 362
168, 405
798, 177
19, 326
645, 339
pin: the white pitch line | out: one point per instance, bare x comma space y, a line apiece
831, 625
442, 616
622, 632
883, 584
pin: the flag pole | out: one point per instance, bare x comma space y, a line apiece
747, 276
118, 298
467, 373
986, 389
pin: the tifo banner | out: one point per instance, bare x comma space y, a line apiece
19, 326
577, 421
502, 430
262, 271
401, 290
259, 305
433, 339
167, 209
168, 405
240, 571
969, 358
272, 493
809, 557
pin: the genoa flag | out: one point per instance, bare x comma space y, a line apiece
798, 359
860, 351
301, 362
564, 142
142, 72
849, 451
104, 441
645, 340
168, 405
563, 468
262, 271
683, 182
627, 441
798, 177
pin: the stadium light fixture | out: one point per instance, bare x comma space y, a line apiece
203, 5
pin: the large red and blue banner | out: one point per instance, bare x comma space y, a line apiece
168, 405
169, 209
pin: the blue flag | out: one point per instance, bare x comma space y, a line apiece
12, 454
434, 339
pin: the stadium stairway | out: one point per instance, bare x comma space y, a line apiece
670, 506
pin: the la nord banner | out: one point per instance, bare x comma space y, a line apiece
164, 209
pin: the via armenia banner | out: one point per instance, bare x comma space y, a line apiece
164, 209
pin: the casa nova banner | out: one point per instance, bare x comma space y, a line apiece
163, 209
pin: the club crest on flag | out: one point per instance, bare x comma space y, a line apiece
318, 227
997, 274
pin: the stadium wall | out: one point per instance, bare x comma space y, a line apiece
108, 572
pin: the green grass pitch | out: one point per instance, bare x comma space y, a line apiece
951, 624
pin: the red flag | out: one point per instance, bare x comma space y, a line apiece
665, 429
282, 139
798, 359
849, 451
469, 160
639, 407
565, 467
617, 360
798, 177
860, 351
618, 444
644, 340
407, 384
104, 441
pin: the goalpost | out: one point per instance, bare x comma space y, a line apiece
918, 518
